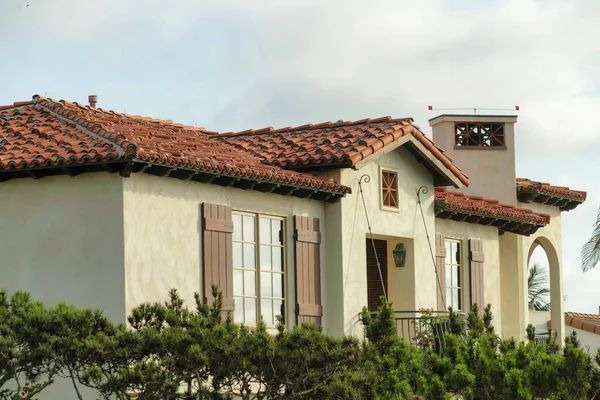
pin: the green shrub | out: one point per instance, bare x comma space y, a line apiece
169, 351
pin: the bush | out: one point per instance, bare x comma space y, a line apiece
169, 351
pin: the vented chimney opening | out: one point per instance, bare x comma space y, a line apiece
93, 100
479, 134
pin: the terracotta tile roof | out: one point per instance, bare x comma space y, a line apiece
46, 133
539, 192
586, 322
32, 138
333, 143
476, 209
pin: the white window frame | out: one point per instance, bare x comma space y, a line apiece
461, 275
257, 270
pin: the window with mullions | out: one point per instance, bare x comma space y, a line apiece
453, 275
258, 268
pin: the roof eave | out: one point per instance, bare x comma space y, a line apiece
537, 196
518, 227
127, 166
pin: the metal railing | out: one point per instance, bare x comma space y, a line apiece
544, 337
423, 329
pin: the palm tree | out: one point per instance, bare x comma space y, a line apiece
590, 253
538, 290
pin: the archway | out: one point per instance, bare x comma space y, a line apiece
543, 252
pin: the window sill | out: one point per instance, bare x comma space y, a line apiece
389, 209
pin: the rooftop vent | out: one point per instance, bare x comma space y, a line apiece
93, 100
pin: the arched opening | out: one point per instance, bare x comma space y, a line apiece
538, 279
543, 259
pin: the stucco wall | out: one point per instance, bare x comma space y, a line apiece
163, 237
491, 275
347, 259
550, 238
61, 239
590, 342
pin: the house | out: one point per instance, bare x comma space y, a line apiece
109, 210
586, 326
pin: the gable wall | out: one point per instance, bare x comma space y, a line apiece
410, 287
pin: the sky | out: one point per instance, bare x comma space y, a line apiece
233, 65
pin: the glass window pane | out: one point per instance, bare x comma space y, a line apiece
455, 299
237, 227
265, 258
278, 285
249, 256
249, 283
238, 314
237, 255
448, 275
277, 226
238, 282
265, 230
267, 311
277, 258
266, 286
277, 308
457, 276
248, 231
448, 297
457, 257
250, 310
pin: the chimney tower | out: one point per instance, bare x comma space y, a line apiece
484, 147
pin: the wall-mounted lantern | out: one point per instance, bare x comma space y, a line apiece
399, 255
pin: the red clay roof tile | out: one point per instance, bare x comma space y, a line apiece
540, 192
478, 205
46, 132
586, 322
332, 142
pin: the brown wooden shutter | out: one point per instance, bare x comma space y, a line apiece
374, 286
217, 253
307, 236
440, 265
476, 272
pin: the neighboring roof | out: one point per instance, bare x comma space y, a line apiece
47, 137
345, 144
559, 196
478, 210
586, 322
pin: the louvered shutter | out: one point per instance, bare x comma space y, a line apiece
476, 272
375, 288
307, 237
217, 253
440, 265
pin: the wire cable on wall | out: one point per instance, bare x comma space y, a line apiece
366, 178
423, 189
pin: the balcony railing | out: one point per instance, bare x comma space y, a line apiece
423, 329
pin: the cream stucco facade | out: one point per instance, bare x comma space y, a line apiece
346, 252
492, 289
162, 230
61, 239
